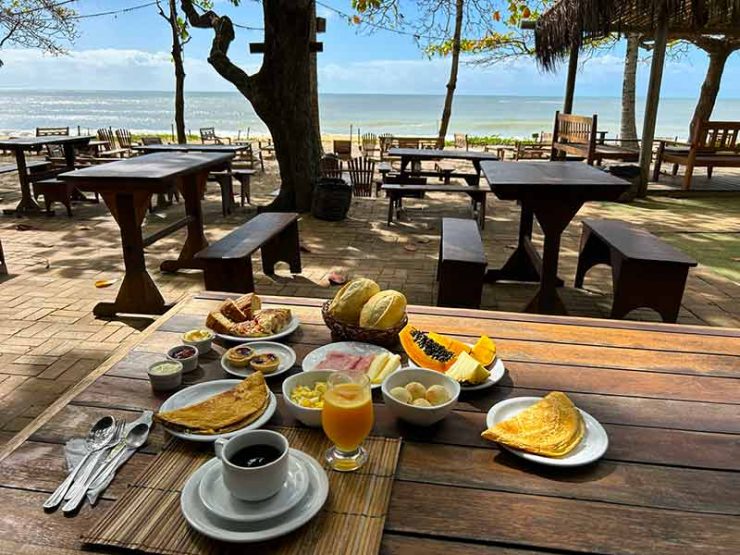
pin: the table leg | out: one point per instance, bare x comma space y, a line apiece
69, 162
27, 204
553, 217
138, 293
191, 187
520, 266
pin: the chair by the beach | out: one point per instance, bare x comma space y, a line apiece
126, 142
361, 173
151, 140
330, 166
343, 149
208, 135
106, 134
369, 145
461, 141
55, 153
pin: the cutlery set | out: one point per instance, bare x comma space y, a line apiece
106, 445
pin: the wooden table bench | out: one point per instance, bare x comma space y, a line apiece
397, 191
717, 144
646, 272
32, 167
461, 268
227, 263
54, 190
666, 395
577, 135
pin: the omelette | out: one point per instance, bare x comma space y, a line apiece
225, 412
552, 427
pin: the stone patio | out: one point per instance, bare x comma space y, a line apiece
49, 338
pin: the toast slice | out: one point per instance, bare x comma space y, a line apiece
230, 309
249, 304
219, 323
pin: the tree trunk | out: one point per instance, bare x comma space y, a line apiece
710, 87
452, 83
280, 92
177, 59
628, 123
315, 82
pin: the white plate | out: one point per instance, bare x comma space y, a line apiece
246, 532
218, 500
314, 358
284, 353
592, 446
497, 370
287, 330
202, 391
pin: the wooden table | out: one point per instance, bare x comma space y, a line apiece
191, 147
666, 394
553, 192
19, 146
415, 156
126, 187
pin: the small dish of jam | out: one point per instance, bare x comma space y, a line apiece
187, 355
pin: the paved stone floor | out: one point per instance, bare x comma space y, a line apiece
49, 338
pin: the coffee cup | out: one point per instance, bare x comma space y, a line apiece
254, 463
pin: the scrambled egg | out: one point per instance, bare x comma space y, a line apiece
311, 398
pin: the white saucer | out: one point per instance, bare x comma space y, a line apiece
592, 446
218, 500
283, 352
202, 391
246, 532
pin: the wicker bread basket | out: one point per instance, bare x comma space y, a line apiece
348, 332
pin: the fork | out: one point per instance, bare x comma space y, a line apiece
79, 489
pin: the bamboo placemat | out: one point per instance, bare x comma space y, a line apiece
147, 517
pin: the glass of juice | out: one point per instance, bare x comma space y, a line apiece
347, 418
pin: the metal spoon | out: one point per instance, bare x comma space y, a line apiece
97, 438
135, 438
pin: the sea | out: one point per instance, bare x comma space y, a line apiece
21, 111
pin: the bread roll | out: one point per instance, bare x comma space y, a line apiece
383, 311
350, 299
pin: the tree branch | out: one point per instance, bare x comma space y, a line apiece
223, 36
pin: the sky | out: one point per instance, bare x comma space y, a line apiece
130, 51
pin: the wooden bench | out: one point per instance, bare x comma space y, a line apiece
646, 272
716, 144
227, 263
54, 190
577, 136
397, 191
225, 181
461, 268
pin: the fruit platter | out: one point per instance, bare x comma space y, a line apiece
474, 366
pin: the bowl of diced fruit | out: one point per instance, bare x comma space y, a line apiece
304, 395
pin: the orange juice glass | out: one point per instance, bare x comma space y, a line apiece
347, 418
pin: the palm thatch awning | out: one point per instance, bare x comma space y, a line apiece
569, 22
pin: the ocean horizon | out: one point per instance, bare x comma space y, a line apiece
21, 111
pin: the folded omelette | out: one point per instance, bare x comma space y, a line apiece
225, 412
552, 427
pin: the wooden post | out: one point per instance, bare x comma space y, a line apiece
570, 84
651, 103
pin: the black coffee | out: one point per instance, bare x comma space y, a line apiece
255, 455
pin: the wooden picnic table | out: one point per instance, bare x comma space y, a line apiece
666, 394
126, 187
553, 192
415, 156
19, 146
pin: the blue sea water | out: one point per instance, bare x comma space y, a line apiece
229, 113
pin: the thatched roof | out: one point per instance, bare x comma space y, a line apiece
569, 22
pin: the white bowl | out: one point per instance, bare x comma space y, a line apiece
203, 346
420, 416
309, 417
188, 364
165, 382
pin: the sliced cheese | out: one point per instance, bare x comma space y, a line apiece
391, 365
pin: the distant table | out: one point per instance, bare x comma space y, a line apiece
553, 192
191, 147
415, 156
19, 147
126, 187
